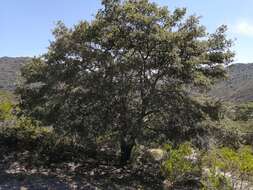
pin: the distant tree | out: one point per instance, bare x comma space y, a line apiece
244, 111
128, 71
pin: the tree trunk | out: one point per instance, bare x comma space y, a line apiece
126, 150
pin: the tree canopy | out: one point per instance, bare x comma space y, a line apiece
130, 70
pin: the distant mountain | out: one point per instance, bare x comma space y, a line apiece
9, 67
237, 88
239, 85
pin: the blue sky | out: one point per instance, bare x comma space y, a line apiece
26, 25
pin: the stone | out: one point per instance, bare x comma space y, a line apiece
157, 154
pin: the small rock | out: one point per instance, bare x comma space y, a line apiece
92, 173
167, 185
157, 154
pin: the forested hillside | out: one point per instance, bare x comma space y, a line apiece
238, 87
9, 67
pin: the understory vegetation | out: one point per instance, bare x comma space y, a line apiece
224, 162
122, 101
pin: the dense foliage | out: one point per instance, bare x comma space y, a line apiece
127, 72
132, 80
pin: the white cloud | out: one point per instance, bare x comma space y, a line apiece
244, 28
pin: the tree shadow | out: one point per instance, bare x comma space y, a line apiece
100, 172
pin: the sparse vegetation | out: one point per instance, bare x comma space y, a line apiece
121, 101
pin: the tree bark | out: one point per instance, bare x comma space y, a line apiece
126, 150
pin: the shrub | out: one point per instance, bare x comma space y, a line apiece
181, 162
228, 167
5, 110
22, 133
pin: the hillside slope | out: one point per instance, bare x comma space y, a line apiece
239, 85
9, 67
237, 88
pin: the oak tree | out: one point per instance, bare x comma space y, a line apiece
128, 71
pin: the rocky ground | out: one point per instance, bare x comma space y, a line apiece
67, 176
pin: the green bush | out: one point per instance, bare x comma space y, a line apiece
179, 162
20, 134
5, 110
23, 134
228, 167
219, 168
214, 181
